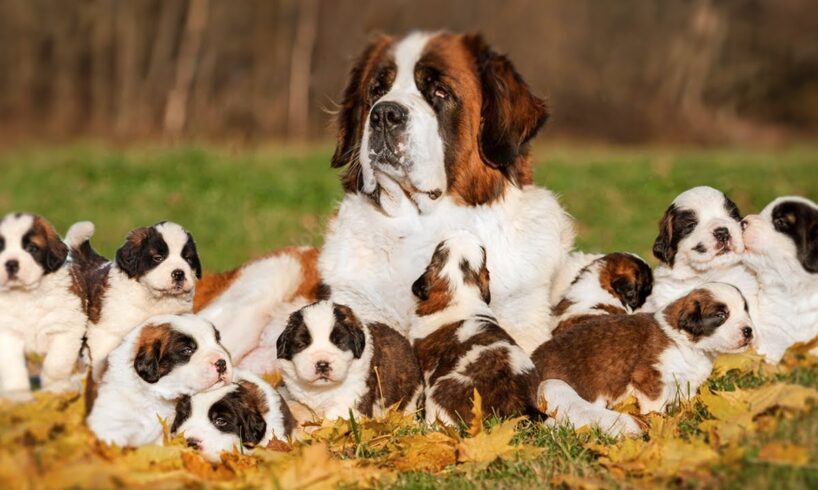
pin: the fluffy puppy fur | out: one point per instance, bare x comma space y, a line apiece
459, 343
245, 414
154, 273
41, 309
617, 283
333, 363
782, 248
659, 358
166, 357
699, 241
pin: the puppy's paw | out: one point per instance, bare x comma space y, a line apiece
622, 425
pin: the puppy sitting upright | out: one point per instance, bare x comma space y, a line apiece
165, 358
617, 283
656, 357
40, 309
333, 363
460, 345
154, 274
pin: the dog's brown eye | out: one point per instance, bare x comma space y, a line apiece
780, 222
220, 422
721, 315
31, 248
377, 91
157, 258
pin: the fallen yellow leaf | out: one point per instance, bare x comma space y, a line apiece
784, 453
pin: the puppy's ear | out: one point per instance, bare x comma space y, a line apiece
183, 410
420, 288
252, 426
349, 321
129, 256
732, 208
146, 362
351, 116
192, 255
510, 116
55, 252
284, 343
691, 319
662, 246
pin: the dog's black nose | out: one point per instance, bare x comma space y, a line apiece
12, 267
722, 234
193, 442
322, 366
388, 115
747, 332
221, 366
178, 275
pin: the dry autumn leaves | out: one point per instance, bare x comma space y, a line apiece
733, 420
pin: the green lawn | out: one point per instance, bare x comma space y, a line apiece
240, 203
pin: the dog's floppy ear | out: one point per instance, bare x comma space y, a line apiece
190, 254
146, 362
183, 409
284, 343
662, 246
252, 427
129, 256
54, 251
691, 319
810, 259
352, 113
346, 318
510, 115
420, 288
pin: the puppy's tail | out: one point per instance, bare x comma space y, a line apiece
78, 240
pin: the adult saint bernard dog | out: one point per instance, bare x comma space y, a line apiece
433, 133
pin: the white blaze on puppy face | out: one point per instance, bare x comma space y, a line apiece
29, 249
784, 236
700, 230
320, 343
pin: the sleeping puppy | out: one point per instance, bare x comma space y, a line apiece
333, 363
659, 358
154, 273
40, 308
166, 357
699, 241
617, 283
782, 248
245, 414
459, 343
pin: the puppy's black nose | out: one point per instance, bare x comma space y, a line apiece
747, 332
12, 267
178, 275
722, 234
221, 366
388, 115
322, 366
193, 442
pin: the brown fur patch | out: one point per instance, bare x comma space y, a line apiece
90, 285
609, 309
437, 290
151, 334
602, 355
92, 387
395, 374
52, 251
694, 314
560, 308
252, 396
286, 414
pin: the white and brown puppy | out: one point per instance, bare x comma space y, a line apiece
333, 363
434, 131
41, 309
699, 241
154, 273
782, 248
245, 414
614, 284
659, 358
166, 357
459, 343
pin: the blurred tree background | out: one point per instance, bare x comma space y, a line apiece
624, 71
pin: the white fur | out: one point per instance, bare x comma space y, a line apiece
788, 295
210, 440
127, 409
565, 405
586, 293
568, 271
38, 313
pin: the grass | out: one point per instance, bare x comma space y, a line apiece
241, 203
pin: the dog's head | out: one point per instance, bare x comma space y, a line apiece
627, 277
784, 236
436, 113
29, 250
320, 344
180, 355
701, 230
714, 317
458, 268
162, 257
231, 416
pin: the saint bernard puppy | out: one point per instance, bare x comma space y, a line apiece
659, 358
782, 248
434, 132
245, 414
167, 357
614, 284
334, 363
154, 274
459, 343
41, 309
699, 241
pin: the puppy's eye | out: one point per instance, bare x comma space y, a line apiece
157, 258
187, 351
721, 315
377, 91
220, 422
31, 248
780, 222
